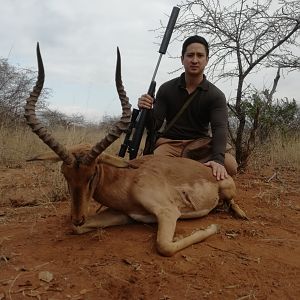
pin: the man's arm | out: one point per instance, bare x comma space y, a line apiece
219, 123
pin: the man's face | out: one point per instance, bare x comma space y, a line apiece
195, 59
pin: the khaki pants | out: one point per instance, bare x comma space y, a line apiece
199, 150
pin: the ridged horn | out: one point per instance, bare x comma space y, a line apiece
119, 127
32, 120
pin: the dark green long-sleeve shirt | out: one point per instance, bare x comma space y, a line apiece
208, 107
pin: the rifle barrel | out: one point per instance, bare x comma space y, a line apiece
169, 30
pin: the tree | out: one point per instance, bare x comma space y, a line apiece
244, 37
15, 86
55, 118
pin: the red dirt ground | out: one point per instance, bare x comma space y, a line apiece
255, 259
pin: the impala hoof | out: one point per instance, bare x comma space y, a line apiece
214, 227
79, 229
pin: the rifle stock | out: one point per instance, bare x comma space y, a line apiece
140, 126
139, 118
125, 145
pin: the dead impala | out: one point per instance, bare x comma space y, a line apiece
148, 189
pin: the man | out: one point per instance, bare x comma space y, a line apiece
191, 126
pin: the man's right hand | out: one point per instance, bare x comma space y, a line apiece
145, 101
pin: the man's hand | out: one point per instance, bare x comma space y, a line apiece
218, 170
145, 101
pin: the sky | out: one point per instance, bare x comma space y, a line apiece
78, 41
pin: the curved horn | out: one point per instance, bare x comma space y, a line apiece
119, 127
34, 122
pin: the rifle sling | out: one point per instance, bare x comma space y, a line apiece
179, 113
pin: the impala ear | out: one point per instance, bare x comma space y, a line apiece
79, 148
49, 156
52, 156
115, 161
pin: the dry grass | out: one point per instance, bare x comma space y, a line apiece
278, 153
19, 144
47, 185
276, 166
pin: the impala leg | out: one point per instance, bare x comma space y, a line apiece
105, 218
237, 210
166, 229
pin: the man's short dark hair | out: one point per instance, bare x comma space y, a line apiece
195, 39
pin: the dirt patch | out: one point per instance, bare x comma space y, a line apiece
255, 259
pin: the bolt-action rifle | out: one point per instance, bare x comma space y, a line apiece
139, 117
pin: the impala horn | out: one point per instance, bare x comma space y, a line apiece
35, 124
119, 127
37, 127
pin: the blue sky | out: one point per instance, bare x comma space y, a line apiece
78, 41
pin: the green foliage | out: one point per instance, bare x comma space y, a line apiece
280, 116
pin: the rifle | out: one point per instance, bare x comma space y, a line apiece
139, 117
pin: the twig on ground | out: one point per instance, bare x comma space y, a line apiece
275, 175
244, 297
272, 177
279, 240
257, 260
12, 284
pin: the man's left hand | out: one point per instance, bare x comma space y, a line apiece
218, 170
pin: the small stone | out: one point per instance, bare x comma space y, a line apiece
45, 276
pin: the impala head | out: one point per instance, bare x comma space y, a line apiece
82, 181
80, 163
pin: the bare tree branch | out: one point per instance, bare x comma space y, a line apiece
245, 37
